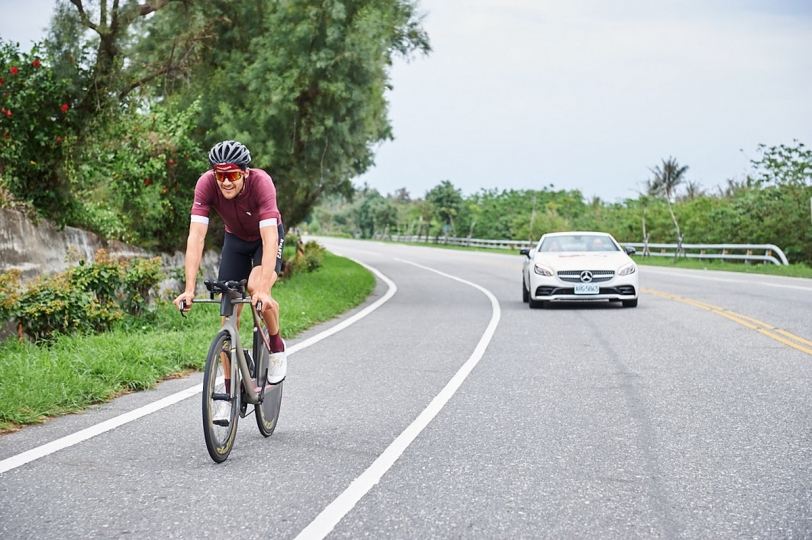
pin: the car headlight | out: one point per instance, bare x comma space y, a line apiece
542, 270
628, 269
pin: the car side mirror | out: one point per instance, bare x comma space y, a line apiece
525, 251
630, 250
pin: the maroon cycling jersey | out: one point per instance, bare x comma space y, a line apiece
243, 215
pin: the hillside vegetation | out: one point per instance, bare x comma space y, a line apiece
770, 205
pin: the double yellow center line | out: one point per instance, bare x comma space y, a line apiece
772, 332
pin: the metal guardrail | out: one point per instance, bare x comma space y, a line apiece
767, 253
467, 242
736, 252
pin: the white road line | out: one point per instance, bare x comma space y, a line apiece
85, 434
355, 318
341, 506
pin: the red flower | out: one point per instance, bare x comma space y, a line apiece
59, 139
6, 136
147, 182
36, 64
64, 107
2, 81
8, 113
14, 70
171, 161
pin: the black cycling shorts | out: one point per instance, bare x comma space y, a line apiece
240, 257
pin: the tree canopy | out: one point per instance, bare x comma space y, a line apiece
151, 86
302, 84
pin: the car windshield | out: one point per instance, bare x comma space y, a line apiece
577, 243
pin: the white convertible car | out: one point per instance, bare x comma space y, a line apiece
578, 266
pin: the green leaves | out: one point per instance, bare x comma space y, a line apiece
447, 201
302, 85
87, 298
784, 165
36, 122
134, 175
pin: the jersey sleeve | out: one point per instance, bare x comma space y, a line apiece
201, 206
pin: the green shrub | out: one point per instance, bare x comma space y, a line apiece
307, 257
141, 276
86, 298
9, 294
53, 305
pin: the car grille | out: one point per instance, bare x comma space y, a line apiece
623, 290
574, 276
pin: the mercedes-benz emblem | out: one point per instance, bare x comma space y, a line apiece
586, 276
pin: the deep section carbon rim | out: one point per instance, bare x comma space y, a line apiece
221, 399
267, 412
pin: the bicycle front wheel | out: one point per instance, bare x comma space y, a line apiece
267, 412
221, 398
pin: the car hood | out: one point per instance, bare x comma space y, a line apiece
583, 261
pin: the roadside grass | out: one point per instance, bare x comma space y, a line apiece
74, 372
793, 270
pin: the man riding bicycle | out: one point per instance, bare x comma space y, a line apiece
246, 201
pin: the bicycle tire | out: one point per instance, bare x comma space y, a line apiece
267, 412
221, 400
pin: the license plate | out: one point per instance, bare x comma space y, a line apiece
587, 288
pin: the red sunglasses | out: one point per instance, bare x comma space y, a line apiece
231, 176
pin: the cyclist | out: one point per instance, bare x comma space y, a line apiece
246, 201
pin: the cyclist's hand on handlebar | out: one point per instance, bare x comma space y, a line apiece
184, 301
261, 300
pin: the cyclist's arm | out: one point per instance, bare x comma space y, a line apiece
194, 253
270, 246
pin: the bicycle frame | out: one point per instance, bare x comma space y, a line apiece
222, 365
228, 300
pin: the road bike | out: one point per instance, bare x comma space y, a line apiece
235, 377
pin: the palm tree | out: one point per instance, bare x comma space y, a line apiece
665, 181
693, 190
648, 193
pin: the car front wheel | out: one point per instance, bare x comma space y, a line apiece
630, 303
525, 293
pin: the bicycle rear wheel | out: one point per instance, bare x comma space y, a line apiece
221, 398
267, 412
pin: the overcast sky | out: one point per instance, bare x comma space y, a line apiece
581, 94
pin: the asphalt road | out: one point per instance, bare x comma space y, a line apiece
454, 411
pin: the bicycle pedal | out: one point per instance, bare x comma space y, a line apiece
222, 423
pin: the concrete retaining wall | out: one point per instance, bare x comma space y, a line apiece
43, 248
